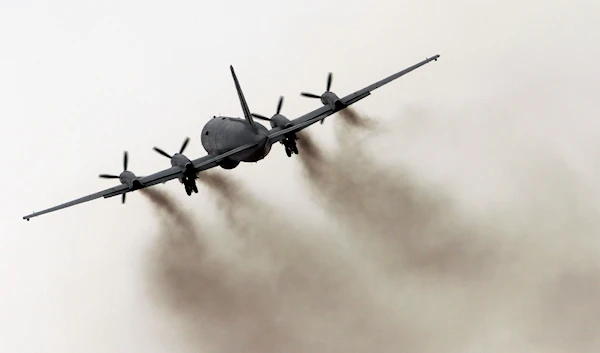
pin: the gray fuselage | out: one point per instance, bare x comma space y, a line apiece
222, 134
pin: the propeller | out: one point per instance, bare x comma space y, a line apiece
312, 95
111, 176
262, 117
183, 146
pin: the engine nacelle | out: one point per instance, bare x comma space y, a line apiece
179, 160
228, 164
331, 99
281, 121
130, 179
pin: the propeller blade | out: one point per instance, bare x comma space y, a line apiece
123, 198
329, 79
279, 104
258, 116
125, 160
187, 139
161, 152
108, 176
309, 95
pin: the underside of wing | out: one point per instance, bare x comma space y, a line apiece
362, 93
117, 190
321, 113
211, 161
160, 177
144, 182
278, 134
200, 164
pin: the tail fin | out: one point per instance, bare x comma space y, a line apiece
245, 108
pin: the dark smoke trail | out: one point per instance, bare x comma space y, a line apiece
527, 289
312, 156
389, 207
169, 207
352, 118
284, 291
446, 284
185, 275
283, 285
280, 293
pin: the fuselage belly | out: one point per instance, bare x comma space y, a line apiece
222, 134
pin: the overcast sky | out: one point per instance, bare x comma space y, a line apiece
81, 82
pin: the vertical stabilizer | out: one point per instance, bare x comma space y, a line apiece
245, 108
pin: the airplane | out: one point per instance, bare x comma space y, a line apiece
232, 140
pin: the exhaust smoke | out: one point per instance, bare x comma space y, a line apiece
426, 277
277, 293
510, 272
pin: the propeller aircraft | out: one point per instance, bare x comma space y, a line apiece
229, 141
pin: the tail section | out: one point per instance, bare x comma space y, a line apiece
245, 108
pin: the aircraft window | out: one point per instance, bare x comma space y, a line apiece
206, 133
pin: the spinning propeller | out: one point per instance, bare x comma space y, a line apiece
183, 146
262, 117
188, 173
111, 176
322, 96
312, 95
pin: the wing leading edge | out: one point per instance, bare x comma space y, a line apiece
211, 161
117, 190
321, 113
200, 164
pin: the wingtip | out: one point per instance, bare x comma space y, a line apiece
434, 58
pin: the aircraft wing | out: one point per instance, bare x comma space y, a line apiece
200, 164
321, 113
163, 176
116, 190
145, 182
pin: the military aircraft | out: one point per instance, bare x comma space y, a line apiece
230, 140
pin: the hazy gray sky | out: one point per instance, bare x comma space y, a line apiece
81, 82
